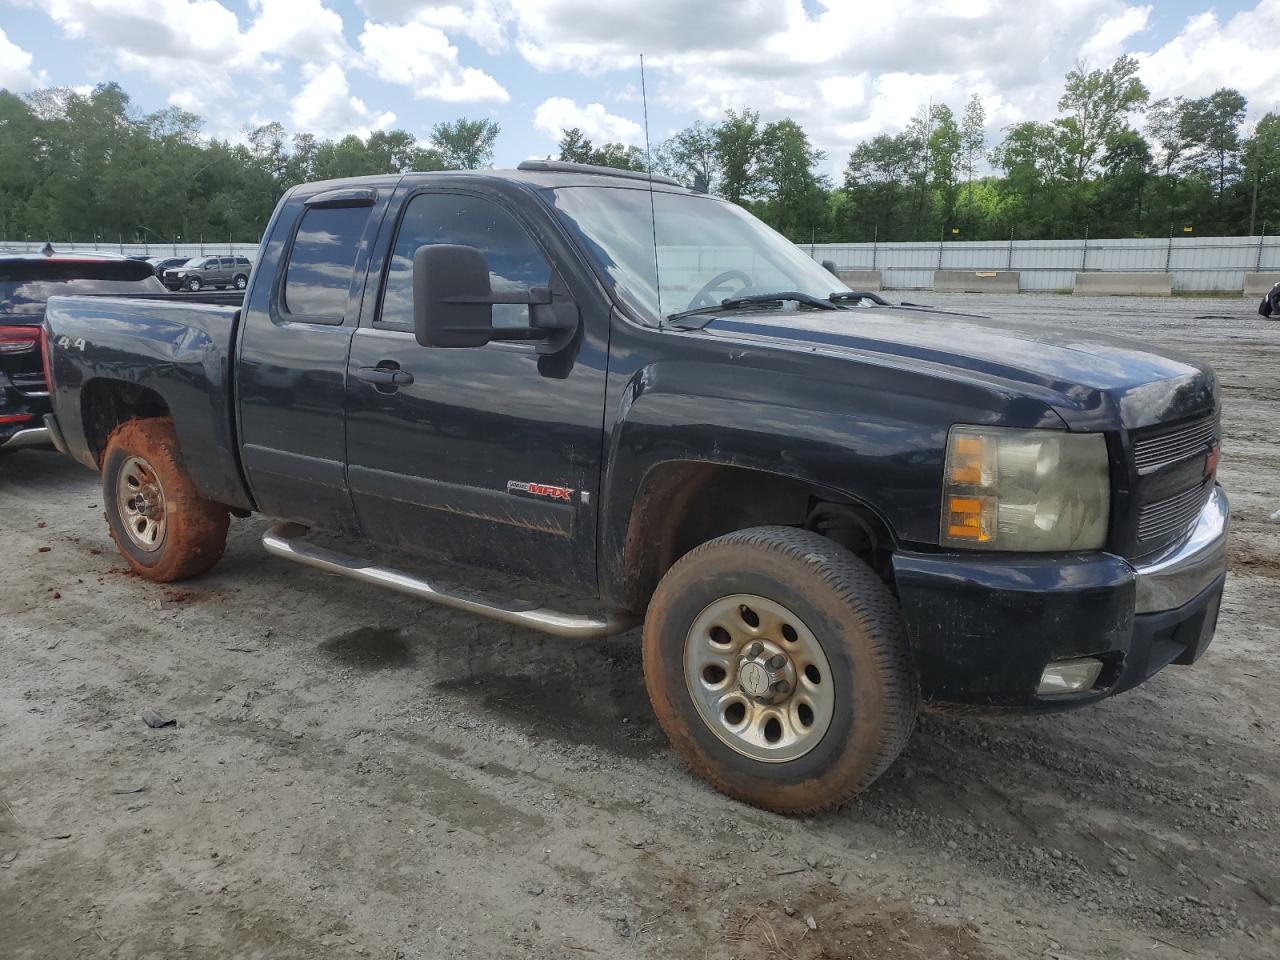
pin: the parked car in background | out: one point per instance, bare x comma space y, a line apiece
161, 264
200, 272
27, 280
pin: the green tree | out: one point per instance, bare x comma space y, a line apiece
575, 147
973, 144
794, 194
739, 144
1097, 104
465, 144
1210, 128
945, 144
1126, 172
875, 182
690, 155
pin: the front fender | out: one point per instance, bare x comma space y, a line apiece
876, 436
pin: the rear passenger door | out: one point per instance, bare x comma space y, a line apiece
293, 358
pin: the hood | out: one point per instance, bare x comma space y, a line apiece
1094, 381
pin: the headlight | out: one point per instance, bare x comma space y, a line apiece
1007, 489
181, 273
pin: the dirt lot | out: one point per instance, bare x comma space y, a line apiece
356, 774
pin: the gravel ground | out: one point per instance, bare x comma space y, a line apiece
355, 774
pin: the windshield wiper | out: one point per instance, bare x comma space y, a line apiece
785, 296
845, 296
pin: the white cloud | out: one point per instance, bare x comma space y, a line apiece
422, 58
15, 67
305, 30
484, 21
325, 105
1208, 54
1109, 40
558, 114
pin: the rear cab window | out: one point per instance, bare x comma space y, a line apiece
322, 259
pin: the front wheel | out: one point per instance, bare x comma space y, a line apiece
160, 523
778, 665
193, 284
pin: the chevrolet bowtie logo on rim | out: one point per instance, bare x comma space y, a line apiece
542, 490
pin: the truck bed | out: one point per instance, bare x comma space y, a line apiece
176, 351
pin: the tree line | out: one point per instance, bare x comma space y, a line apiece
1113, 163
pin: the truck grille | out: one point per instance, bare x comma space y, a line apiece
1152, 452
1171, 515
1174, 479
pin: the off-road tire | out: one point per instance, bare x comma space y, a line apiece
195, 528
859, 626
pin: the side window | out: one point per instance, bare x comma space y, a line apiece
227, 263
321, 262
515, 260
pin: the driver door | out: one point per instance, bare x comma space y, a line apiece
479, 454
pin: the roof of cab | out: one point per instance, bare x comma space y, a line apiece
535, 173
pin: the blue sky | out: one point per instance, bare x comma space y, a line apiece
844, 70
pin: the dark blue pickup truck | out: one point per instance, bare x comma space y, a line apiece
823, 508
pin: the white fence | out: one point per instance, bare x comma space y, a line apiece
1197, 263
197, 249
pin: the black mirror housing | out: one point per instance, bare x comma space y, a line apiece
830, 267
452, 299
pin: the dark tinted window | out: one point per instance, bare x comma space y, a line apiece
25, 285
321, 262
227, 263
243, 261
515, 261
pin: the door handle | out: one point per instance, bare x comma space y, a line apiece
384, 376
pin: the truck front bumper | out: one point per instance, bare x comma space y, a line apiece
984, 628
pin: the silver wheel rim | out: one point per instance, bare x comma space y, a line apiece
759, 678
193, 284
241, 283
140, 503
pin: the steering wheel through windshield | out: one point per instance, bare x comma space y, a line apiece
704, 298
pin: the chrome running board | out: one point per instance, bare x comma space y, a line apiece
286, 540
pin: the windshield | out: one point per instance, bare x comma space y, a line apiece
708, 249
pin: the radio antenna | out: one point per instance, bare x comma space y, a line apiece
653, 218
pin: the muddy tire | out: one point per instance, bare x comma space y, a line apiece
161, 525
778, 665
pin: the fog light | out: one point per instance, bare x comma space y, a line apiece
1069, 676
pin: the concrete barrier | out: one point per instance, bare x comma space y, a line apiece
976, 281
861, 279
1256, 284
1097, 283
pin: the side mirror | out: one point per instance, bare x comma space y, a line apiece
830, 267
452, 305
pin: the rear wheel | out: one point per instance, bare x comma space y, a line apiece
161, 525
778, 665
241, 281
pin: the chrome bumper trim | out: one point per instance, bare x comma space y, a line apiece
30, 437
1177, 576
285, 540
55, 434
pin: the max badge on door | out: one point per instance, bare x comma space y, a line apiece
543, 491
